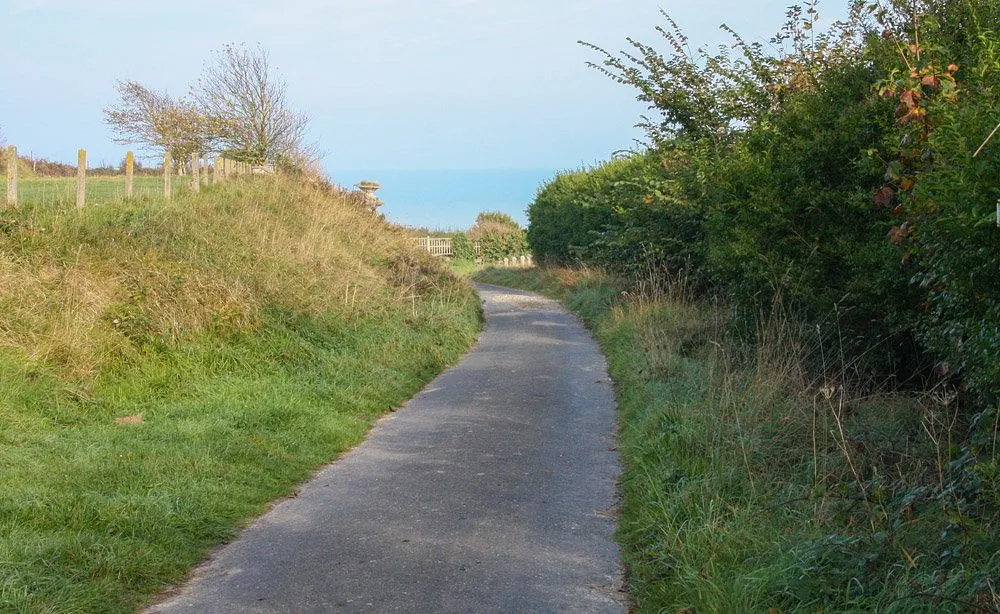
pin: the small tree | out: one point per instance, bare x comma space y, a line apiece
155, 121
241, 92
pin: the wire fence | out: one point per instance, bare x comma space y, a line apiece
192, 174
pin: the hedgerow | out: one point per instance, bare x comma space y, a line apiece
837, 175
845, 185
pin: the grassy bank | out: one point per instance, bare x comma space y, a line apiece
767, 475
168, 369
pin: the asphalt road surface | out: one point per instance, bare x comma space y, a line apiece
493, 490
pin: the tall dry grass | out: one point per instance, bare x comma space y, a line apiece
80, 290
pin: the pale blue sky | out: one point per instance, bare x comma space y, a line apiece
389, 84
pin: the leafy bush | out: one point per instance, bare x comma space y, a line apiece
626, 215
461, 247
499, 236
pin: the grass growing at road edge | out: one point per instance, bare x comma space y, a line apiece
755, 483
169, 369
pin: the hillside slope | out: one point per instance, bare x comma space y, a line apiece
167, 369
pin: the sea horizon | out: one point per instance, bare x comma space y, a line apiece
450, 199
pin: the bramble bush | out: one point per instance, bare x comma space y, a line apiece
943, 183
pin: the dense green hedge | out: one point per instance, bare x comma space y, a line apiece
839, 177
570, 209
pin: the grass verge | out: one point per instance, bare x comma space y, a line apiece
756, 482
169, 369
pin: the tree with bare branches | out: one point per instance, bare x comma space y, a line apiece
155, 121
242, 93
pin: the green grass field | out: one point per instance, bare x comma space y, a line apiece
100, 190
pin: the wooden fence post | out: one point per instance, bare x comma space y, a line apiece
195, 174
129, 170
81, 178
166, 175
204, 169
12, 176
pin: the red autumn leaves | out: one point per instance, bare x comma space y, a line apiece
918, 93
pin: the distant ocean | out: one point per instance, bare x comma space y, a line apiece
450, 199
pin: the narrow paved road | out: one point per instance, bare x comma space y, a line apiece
493, 490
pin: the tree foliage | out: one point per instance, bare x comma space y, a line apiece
238, 108
243, 93
156, 122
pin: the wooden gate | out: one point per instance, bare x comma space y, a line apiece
437, 246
